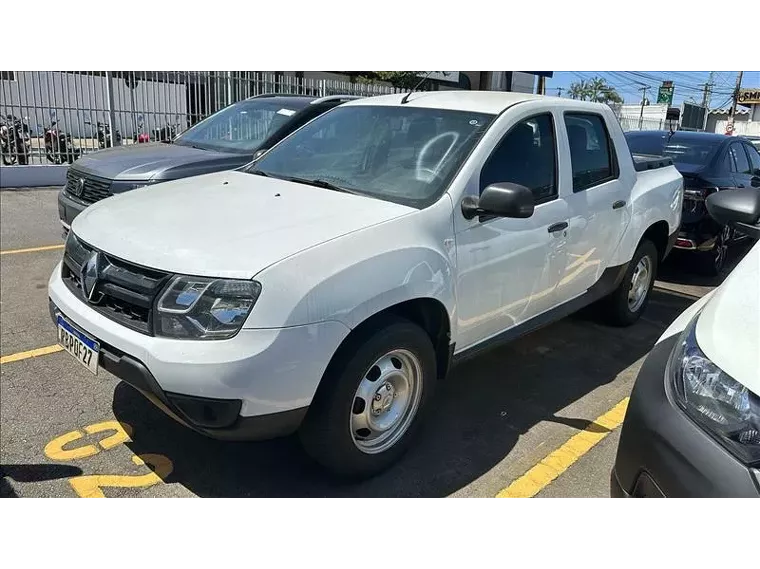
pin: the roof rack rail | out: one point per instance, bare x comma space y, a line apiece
335, 98
270, 95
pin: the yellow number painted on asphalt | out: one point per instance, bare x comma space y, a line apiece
122, 434
91, 486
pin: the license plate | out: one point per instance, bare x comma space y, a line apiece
84, 349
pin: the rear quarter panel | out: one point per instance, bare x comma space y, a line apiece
656, 195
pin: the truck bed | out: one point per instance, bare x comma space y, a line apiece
642, 162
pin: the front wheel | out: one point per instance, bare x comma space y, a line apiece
626, 304
371, 399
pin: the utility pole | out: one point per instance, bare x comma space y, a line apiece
708, 90
706, 98
730, 125
643, 90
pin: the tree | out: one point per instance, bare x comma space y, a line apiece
399, 79
595, 90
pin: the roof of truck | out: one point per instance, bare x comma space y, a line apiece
473, 101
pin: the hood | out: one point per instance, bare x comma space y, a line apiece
226, 224
155, 160
728, 330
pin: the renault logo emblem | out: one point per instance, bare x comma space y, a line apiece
89, 276
78, 188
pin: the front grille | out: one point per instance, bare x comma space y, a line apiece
123, 292
92, 190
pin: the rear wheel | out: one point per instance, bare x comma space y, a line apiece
711, 262
626, 304
371, 399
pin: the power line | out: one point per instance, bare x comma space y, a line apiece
679, 85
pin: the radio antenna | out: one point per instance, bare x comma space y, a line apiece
406, 97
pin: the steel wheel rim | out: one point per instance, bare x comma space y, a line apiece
386, 401
640, 281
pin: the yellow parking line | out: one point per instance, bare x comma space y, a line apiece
30, 354
31, 249
553, 465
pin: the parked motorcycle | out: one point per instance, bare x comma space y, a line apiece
165, 133
140, 136
104, 134
5, 144
59, 147
15, 141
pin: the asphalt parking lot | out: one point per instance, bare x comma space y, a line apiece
67, 433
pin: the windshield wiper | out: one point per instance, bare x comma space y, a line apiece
320, 184
308, 181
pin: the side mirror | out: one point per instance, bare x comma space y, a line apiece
738, 208
501, 200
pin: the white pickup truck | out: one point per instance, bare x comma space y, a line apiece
326, 287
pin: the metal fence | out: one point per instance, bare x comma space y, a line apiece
53, 117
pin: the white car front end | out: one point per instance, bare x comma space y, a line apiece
249, 380
692, 428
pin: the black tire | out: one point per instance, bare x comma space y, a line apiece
326, 434
616, 307
711, 263
9, 159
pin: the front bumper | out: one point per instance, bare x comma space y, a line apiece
68, 209
267, 376
663, 453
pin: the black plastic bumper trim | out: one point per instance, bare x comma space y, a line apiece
234, 427
69, 208
671, 243
659, 441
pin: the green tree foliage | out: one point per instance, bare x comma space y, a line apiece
595, 90
400, 79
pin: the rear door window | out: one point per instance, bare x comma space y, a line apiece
740, 157
592, 153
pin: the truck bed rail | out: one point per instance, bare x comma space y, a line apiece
643, 162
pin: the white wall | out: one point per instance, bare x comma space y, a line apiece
742, 124
651, 112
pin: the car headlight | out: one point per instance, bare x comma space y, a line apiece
118, 187
722, 406
196, 308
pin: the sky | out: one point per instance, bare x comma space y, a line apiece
689, 85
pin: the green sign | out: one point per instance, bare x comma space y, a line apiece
665, 94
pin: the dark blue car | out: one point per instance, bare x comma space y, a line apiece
709, 163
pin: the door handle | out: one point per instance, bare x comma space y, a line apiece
558, 227
618, 204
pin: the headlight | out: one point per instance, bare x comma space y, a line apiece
117, 187
197, 308
725, 408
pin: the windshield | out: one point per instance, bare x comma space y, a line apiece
403, 154
241, 127
693, 151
